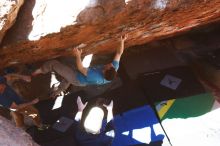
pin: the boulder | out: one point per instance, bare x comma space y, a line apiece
47, 29
8, 13
13, 136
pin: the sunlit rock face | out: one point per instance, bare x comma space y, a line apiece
46, 29
8, 14
12, 136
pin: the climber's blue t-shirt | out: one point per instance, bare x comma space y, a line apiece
95, 75
8, 96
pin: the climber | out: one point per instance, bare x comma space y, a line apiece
97, 75
11, 100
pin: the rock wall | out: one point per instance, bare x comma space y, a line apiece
46, 29
12, 136
8, 14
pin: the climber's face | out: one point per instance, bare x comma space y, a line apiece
2, 88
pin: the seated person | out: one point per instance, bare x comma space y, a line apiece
93, 129
11, 100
